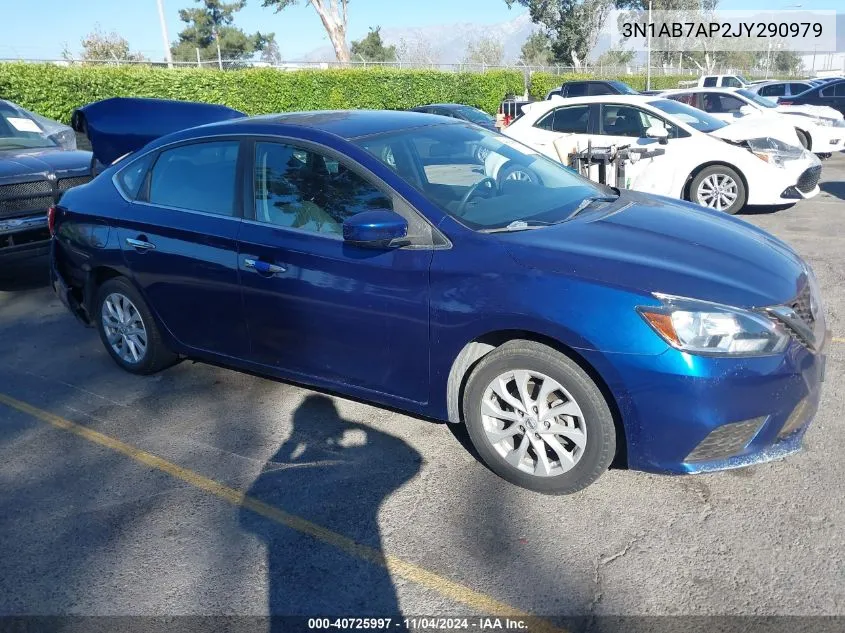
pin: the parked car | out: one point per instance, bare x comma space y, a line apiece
459, 111
775, 89
38, 162
816, 129
706, 160
830, 94
592, 87
561, 321
510, 109
716, 81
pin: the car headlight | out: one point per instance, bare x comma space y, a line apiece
773, 158
702, 327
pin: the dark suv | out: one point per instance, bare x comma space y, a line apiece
591, 88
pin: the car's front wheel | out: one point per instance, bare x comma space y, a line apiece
719, 187
128, 330
537, 419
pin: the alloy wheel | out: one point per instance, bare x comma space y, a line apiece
124, 328
534, 423
717, 191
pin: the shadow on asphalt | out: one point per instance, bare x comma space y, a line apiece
764, 210
337, 473
836, 189
26, 275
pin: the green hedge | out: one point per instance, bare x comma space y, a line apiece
54, 91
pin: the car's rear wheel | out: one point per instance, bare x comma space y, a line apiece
537, 419
719, 187
128, 330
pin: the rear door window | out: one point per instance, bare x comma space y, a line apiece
576, 89
197, 177
774, 90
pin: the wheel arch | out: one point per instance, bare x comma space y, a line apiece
808, 136
478, 348
714, 163
96, 277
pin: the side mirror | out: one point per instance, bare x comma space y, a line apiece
376, 229
746, 110
658, 132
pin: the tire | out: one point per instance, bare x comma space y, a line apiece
587, 431
804, 138
512, 171
715, 175
124, 299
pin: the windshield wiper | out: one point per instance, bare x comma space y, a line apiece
586, 202
517, 225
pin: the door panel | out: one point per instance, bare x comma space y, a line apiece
185, 259
348, 314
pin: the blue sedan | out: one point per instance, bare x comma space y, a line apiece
564, 323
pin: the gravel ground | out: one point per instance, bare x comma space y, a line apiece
87, 530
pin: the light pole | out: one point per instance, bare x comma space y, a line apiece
164, 38
648, 57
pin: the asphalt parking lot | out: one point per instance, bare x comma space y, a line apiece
203, 490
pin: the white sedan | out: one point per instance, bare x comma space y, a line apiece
707, 161
819, 129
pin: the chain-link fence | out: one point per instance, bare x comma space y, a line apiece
595, 70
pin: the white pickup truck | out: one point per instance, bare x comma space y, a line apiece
715, 81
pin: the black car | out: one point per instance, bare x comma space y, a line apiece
831, 94
459, 111
38, 162
591, 88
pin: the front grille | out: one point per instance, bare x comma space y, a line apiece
726, 440
66, 183
40, 203
26, 189
809, 179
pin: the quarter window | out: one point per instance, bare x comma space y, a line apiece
197, 177
301, 189
131, 177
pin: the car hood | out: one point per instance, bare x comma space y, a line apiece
758, 126
824, 112
15, 164
647, 244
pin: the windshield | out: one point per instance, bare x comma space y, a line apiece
760, 101
20, 131
475, 115
623, 88
483, 179
743, 80
693, 117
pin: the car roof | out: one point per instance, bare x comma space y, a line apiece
701, 89
349, 124
451, 106
638, 98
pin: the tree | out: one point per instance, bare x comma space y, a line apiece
537, 50
101, 46
333, 15
572, 26
616, 57
484, 50
417, 52
372, 49
271, 53
211, 25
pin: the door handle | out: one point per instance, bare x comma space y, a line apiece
263, 268
143, 245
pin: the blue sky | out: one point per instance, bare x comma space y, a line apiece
41, 28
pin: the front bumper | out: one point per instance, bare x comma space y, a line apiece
672, 404
23, 238
798, 180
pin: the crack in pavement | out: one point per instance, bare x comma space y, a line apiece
603, 561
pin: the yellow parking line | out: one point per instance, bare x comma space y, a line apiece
837, 339
482, 603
